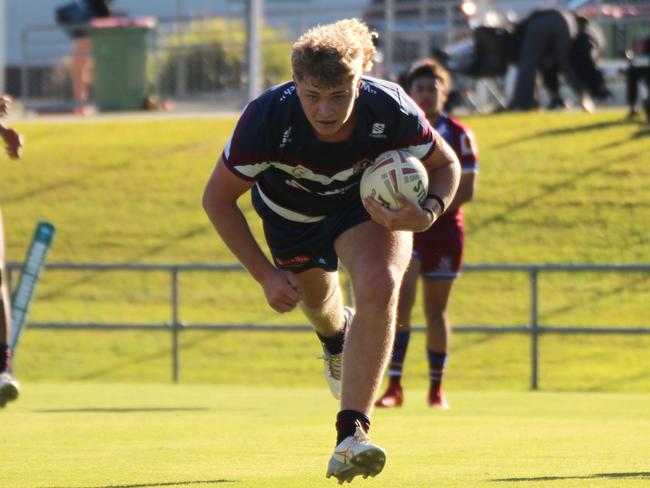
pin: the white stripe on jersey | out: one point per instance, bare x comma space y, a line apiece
298, 172
420, 150
287, 213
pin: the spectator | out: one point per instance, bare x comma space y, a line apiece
72, 17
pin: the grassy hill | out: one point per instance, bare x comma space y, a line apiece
553, 188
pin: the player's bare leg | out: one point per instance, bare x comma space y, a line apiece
322, 304
394, 394
436, 298
376, 271
9, 387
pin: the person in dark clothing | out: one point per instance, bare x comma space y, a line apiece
634, 74
544, 35
556, 41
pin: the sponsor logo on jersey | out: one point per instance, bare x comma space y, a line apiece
378, 129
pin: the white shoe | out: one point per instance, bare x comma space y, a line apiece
9, 388
332, 370
333, 362
356, 456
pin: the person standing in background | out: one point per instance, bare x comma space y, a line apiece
437, 252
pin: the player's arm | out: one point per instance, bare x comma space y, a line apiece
444, 176
465, 192
220, 203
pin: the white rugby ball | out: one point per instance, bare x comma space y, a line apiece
395, 171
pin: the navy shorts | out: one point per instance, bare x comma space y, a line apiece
298, 246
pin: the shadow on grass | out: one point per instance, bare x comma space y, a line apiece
547, 191
123, 410
91, 277
594, 298
565, 131
152, 485
139, 360
641, 475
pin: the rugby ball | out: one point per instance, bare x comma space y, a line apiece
395, 171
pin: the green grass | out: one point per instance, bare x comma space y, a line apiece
553, 188
83, 435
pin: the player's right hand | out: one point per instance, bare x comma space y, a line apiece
282, 291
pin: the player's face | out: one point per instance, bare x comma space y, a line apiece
329, 110
429, 94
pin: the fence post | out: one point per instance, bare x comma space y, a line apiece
534, 331
175, 325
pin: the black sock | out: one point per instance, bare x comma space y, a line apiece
437, 363
5, 358
334, 345
346, 424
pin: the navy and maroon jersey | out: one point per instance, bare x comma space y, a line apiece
303, 179
440, 248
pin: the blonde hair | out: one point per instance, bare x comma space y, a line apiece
333, 53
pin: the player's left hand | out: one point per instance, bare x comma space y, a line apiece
410, 217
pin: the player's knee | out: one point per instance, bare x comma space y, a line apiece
379, 288
437, 319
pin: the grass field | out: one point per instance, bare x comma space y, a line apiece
82, 435
553, 188
98, 410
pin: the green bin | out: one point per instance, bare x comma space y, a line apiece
120, 47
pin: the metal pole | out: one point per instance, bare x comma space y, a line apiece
534, 331
175, 326
253, 29
24, 71
389, 18
3, 36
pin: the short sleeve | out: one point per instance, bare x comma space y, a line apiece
414, 132
246, 154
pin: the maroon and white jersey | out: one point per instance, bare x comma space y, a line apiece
462, 141
440, 248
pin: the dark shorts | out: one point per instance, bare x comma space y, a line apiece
298, 246
440, 249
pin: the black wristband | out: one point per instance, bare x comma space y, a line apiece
439, 200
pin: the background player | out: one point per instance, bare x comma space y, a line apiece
300, 148
9, 387
437, 252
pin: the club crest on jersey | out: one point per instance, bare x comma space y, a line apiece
359, 166
378, 130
